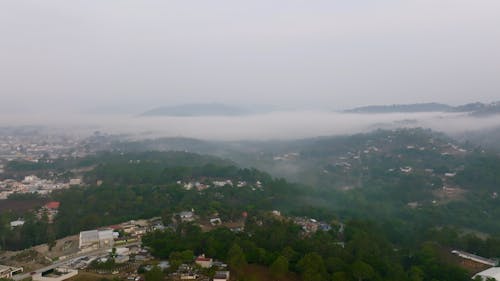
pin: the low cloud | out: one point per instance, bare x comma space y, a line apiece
276, 125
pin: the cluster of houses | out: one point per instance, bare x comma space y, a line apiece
191, 272
205, 184
32, 184
31, 147
311, 226
50, 210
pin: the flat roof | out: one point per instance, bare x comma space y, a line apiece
493, 272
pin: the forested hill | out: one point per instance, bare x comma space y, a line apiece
406, 108
477, 109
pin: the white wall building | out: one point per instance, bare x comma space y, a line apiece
96, 239
493, 272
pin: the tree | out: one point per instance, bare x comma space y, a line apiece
279, 267
340, 276
312, 267
362, 270
236, 257
155, 274
416, 274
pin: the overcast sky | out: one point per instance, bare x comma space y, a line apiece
80, 55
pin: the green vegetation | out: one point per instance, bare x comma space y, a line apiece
398, 221
367, 254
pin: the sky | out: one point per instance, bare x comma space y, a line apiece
122, 55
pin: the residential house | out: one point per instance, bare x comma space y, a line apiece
203, 261
16, 223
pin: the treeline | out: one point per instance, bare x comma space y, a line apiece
361, 253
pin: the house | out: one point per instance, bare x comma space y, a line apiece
493, 272
75, 181
215, 221
186, 216
58, 274
53, 205
203, 261
221, 276
16, 223
406, 169
164, 265
9, 271
51, 209
96, 239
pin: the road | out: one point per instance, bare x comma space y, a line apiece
64, 262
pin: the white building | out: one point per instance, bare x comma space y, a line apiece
493, 272
187, 216
96, 239
16, 223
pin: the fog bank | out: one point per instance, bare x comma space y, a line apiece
276, 125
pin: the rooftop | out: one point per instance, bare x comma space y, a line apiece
493, 272
53, 205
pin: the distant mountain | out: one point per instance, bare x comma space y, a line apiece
399, 108
475, 109
479, 109
198, 109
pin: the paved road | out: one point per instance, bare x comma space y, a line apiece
64, 262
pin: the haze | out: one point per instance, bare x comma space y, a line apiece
129, 56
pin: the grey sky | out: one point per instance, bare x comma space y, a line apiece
119, 53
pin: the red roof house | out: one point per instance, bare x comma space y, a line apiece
53, 205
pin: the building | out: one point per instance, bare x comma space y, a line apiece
58, 274
493, 272
475, 258
203, 261
221, 276
16, 223
53, 205
51, 209
75, 182
9, 271
186, 216
96, 239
